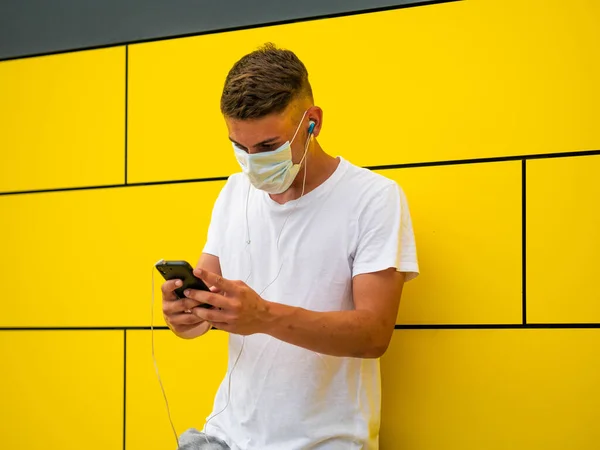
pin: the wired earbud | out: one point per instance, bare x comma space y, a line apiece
311, 126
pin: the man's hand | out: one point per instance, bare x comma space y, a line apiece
183, 324
238, 309
363, 332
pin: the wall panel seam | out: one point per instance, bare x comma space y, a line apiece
379, 167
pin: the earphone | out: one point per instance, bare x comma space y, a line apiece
311, 126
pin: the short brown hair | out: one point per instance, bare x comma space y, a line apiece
264, 82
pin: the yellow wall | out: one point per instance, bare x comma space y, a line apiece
487, 81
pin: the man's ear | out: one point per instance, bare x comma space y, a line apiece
316, 116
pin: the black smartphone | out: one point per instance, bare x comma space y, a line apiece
182, 270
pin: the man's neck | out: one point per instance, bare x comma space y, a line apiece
320, 167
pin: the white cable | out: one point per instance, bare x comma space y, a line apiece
228, 391
305, 159
290, 213
156, 364
248, 240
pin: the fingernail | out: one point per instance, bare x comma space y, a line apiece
178, 283
187, 292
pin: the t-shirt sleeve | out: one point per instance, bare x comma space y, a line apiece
386, 237
216, 228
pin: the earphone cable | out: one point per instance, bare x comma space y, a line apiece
305, 160
156, 364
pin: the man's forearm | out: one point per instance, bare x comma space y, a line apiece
338, 333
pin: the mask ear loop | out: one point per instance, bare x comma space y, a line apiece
298, 127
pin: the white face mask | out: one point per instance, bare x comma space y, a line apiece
272, 171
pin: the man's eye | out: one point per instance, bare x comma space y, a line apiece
239, 147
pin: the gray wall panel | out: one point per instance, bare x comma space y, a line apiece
31, 27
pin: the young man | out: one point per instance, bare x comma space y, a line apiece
306, 258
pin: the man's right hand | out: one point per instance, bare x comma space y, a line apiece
182, 323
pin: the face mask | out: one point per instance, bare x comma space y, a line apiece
272, 171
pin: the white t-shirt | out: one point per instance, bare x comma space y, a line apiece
284, 397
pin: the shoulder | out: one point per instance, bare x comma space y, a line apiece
367, 186
236, 180
235, 183
230, 193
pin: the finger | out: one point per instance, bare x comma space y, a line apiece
216, 300
185, 319
169, 286
215, 290
210, 315
224, 326
189, 303
178, 306
212, 279
185, 328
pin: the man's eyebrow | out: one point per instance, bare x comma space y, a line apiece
265, 142
268, 141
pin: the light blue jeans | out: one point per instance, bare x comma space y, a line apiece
193, 439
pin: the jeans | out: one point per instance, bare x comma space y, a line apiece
193, 439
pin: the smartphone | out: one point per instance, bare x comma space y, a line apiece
182, 270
